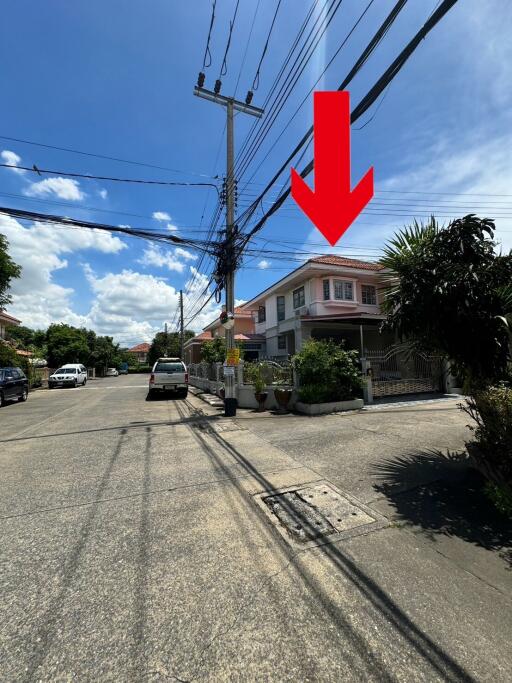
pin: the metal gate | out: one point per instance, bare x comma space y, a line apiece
396, 371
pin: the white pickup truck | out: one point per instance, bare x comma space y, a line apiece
169, 374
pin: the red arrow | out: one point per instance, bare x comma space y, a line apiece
332, 206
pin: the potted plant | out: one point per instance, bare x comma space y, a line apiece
256, 378
282, 395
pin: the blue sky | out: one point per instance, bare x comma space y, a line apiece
116, 78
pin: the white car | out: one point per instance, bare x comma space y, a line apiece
169, 374
69, 375
112, 372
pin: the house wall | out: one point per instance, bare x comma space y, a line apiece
242, 326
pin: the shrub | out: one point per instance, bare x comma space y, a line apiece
492, 449
327, 371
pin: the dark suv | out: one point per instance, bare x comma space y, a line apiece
13, 385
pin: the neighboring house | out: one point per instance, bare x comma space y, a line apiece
140, 352
192, 348
328, 297
251, 342
5, 321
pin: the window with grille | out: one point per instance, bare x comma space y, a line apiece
298, 297
327, 289
261, 314
368, 295
281, 342
281, 313
343, 290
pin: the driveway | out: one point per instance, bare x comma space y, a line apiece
134, 548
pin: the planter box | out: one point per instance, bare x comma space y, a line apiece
324, 408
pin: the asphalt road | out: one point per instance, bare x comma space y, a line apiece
132, 549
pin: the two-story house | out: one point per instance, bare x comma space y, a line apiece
328, 297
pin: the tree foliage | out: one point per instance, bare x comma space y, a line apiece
214, 350
8, 271
167, 344
444, 293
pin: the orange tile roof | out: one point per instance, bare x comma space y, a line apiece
140, 348
346, 262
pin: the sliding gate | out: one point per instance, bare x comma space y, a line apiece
396, 371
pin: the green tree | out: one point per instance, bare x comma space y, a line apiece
214, 350
444, 293
104, 353
167, 344
67, 344
8, 271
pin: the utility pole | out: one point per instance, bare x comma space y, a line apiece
231, 105
166, 340
181, 325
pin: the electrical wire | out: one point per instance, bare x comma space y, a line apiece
102, 156
256, 80
89, 176
298, 69
360, 109
224, 66
207, 53
306, 97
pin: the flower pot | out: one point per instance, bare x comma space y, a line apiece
261, 397
283, 397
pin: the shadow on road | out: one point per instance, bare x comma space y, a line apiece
442, 494
433, 655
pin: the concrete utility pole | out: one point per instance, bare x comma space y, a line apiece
181, 325
166, 340
231, 105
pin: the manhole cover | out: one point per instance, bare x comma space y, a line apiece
315, 511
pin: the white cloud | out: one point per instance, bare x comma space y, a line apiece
103, 193
185, 254
37, 299
133, 306
12, 159
161, 216
263, 264
64, 188
155, 255
171, 227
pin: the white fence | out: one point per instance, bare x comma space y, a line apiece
210, 378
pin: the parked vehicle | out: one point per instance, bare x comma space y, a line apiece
112, 372
13, 385
69, 375
169, 374
123, 369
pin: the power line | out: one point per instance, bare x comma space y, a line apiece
363, 105
207, 53
88, 176
101, 156
363, 58
150, 235
306, 97
298, 68
256, 80
224, 67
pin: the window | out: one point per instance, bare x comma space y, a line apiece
343, 290
281, 308
327, 289
298, 297
368, 295
281, 342
261, 314
170, 368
